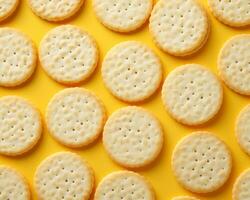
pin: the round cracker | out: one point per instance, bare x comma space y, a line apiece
184, 198
13, 185
242, 129
64, 175
20, 125
54, 10
234, 63
7, 8
75, 117
131, 71
68, 54
122, 15
17, 57
179, 27
192, 94
241, 186
133, 137
124, 185
233, 13
201, 162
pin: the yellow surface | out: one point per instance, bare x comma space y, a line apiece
41, 88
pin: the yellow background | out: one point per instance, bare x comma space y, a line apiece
40, 89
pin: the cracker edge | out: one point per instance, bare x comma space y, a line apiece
113, 175
176, 174
160, 145
121, 30
84, 91
8, 14
163, 94
137, 100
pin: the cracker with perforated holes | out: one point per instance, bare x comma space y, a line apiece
64, 175
184, 198
122, 15
192, 94
242, 129
55, 10
68, 54
241, 186
75, 117
124, 185
179, 27
20, 125
201, 162
231, 12
7, 8
234, 63
17, 57
13, 185
133, 137
131, 71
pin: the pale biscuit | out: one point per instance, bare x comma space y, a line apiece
20, 125
75, 117
124, 185
64, 175
192, 94
122, 15
68, 54
234, 63
17, 57
133, 137
241, 186
131, 71
13, 185
179, 27
231, 12
55, 10
201, 162
242, 129
184, 198
7, 7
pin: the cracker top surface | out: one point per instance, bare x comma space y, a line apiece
7, 8
17, 57
131, 71
75, 117
13, 185
64, 175
54, 10
201, 162
242, 129
241, 186
179, 27
233, 13
123, 15
192, 94
234, 63
133, 137
20, 125
68, 54
124, 185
